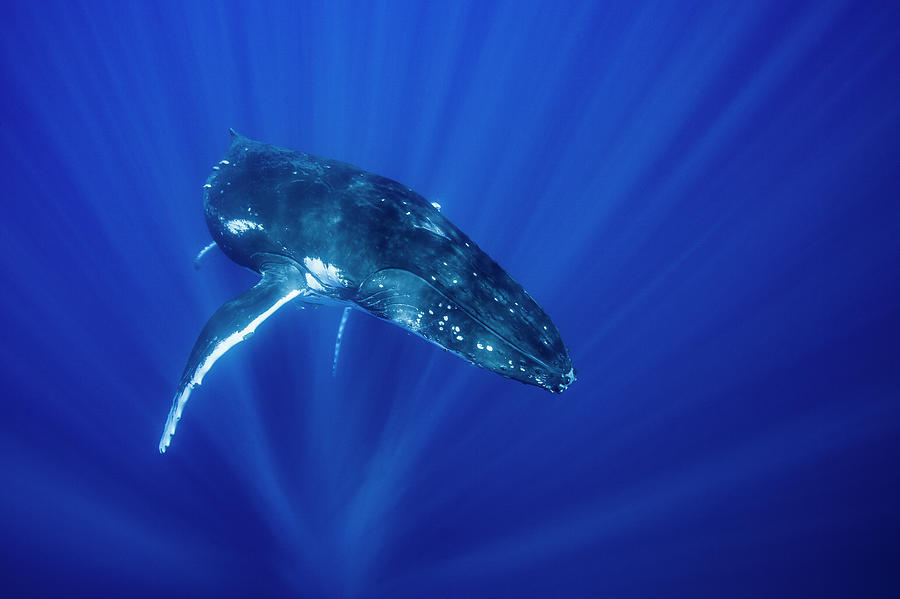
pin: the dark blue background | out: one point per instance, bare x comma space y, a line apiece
704, 196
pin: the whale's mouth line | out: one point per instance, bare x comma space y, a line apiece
470, 315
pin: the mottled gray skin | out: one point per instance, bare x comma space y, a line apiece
399, 258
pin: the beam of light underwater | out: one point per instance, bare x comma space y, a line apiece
704, 193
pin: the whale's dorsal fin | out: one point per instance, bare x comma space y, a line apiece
232, 323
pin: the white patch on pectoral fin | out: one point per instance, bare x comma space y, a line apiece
232, 323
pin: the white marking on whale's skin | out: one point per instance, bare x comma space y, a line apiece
326, 274
313, 283
436, 206
429, 226
220, 349
240, 225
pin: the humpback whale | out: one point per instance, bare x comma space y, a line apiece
319, 231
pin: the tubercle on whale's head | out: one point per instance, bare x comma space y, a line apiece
554, 379
567, 379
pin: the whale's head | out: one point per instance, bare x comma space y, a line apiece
483, 316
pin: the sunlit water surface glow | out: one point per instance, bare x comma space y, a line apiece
704, 198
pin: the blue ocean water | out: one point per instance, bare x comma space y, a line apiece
704, 196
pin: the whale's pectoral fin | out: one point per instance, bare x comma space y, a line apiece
234, 322
202, 253
337, 342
